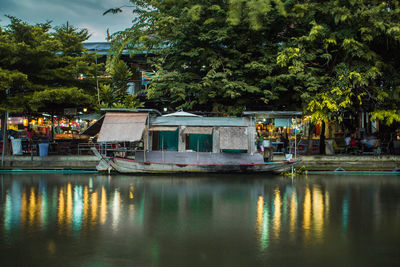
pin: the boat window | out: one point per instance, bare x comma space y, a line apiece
168, 140
199, 142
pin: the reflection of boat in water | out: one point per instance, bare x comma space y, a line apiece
182, 143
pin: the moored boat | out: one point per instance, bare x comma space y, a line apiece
182, 143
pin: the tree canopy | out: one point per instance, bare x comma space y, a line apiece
44, 68
327, 57
202, 60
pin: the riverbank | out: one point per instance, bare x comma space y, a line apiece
311, 163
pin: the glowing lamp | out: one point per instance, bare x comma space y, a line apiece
40, 121
25, 122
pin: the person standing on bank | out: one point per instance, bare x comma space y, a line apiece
266, 143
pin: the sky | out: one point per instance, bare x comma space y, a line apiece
79, 13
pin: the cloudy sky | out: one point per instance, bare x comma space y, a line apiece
79, 13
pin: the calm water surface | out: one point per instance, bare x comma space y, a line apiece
92, 220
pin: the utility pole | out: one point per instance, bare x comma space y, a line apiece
4, 129
97, 81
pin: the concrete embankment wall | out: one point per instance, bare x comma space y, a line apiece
350, 163
51, 162
317, 162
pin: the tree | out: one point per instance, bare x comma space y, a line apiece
206, 54
45, 70
343, 57
114, 93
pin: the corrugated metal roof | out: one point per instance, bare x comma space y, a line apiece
200, 121
122, 127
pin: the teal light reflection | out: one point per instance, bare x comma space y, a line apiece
43, 206
265, 228
7, 214
78, 208
345, 213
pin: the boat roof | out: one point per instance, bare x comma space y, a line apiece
181, 113
200, 121
274, 114
140, 110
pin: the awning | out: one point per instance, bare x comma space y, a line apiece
163, 128
198, 130
94, 129
122, 127
233, 138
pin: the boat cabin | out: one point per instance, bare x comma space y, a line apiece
182, 137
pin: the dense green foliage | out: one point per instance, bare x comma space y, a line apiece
202, 60
327, 57
113, 94
43, 68
342, 56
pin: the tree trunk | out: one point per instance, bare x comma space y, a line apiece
310, 141
52, 127
322, 139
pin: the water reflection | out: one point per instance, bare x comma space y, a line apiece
162, 215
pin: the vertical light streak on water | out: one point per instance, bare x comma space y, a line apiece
8, 213
259, 219
103, 206
61, 209
285, 205
141, 210
43, 205
77, 208
116, 211
23, 208
69, 206
318, 212
307, 214
12, 209
15, 198
91, 184
131, 205
32, 207
265, 225
345, 214
327, 208
277, 213
260, 213
85, 206
54, 202
131, 212
131, 192
95, 205
293, 214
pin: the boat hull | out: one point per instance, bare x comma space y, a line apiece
123, 165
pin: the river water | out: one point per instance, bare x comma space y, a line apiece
214, 220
